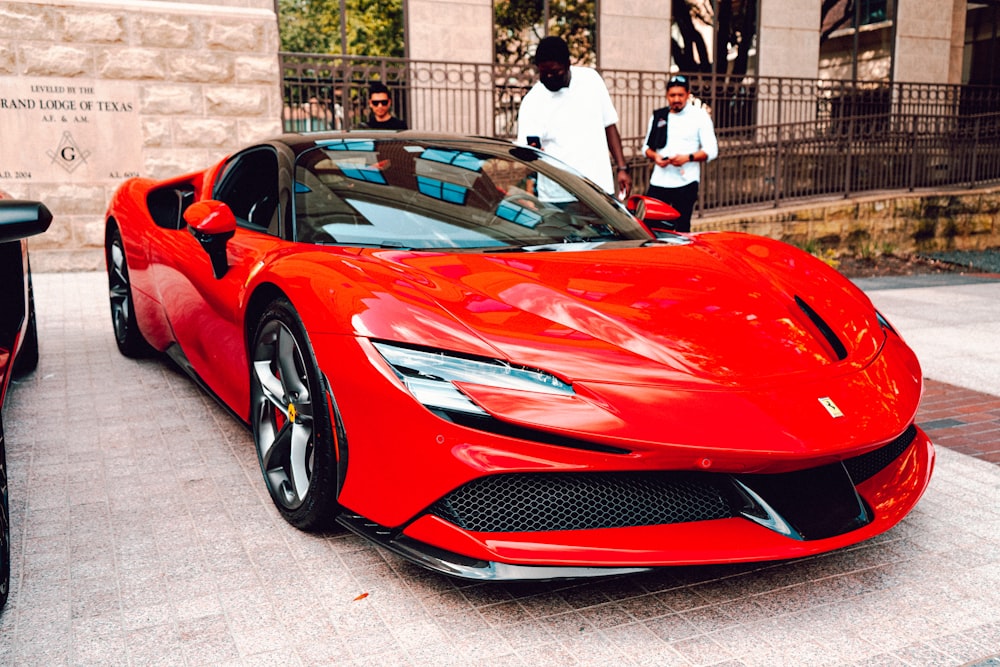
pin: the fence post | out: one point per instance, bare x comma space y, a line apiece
847, 157
913, 153
975, 151
778, 146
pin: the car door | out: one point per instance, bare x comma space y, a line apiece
204, 310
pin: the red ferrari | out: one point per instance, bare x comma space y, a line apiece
500, 386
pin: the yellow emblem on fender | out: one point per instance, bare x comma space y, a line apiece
291, 412
831, 407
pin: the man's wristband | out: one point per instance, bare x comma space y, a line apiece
622, 167
690, 157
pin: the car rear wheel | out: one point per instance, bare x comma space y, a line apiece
27, 357
127, 335
295, 426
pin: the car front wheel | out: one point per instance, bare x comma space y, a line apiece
294, 421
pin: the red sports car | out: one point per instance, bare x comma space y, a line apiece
498, 386
18, 332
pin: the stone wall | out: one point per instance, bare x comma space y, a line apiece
899, 223
94, 92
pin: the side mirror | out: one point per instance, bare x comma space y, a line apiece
20, 218
213, 224
656, 214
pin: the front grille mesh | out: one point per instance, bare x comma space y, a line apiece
536, 502
579, 501
868, 465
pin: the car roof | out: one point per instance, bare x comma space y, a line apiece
300, 142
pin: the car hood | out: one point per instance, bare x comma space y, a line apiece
726, 343
727, 310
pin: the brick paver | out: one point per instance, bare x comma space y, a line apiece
142, 535
963, 420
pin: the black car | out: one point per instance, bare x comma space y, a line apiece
18, 333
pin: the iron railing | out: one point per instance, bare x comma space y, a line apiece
780, 138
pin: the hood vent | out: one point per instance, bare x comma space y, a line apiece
824, 329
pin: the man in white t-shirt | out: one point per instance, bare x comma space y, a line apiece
569, 111
679, 138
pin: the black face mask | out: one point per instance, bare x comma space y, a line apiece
555, 82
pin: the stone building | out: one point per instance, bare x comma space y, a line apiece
92, 92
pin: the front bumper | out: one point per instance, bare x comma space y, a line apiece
770, 517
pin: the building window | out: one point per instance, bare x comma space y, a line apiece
856, 40
714, 36
981, 62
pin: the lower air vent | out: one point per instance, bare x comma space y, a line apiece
580, 501
868, 465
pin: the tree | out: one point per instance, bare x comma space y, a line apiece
374, 27
520, 24
734, 22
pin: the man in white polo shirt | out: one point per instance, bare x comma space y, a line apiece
679, 138
569, 111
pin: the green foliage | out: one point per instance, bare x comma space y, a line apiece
374, 27
519, 26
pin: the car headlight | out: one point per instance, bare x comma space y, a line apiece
431, 376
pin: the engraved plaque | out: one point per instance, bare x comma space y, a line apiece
68, 130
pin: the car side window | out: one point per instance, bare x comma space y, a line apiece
249, 186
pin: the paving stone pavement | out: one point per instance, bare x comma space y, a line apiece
142, 535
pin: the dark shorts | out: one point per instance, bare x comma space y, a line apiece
682, 199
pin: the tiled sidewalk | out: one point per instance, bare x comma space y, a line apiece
142, 535
962, 420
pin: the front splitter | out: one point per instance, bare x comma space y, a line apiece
463, 567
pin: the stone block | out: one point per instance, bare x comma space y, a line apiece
90, 231
235, 101
102, 27
55, 60
204, 132
251, 131
167, 163
67, 199
257, 69
989, 202
156, 132
242, 37
980, 223
876, 209
170, 100
806, 214
196, 68
908, 207
135, 64
844, 211
25, 21
58, 235
8, 60
829, 230
164, 32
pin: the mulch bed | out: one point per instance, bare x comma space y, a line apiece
895, 265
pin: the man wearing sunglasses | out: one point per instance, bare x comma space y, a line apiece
381, 117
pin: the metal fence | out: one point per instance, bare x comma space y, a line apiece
780, 138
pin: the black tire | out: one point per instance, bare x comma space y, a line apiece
296, 430
4, 525
130, 340
27, 358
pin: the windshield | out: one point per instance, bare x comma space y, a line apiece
410, 194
